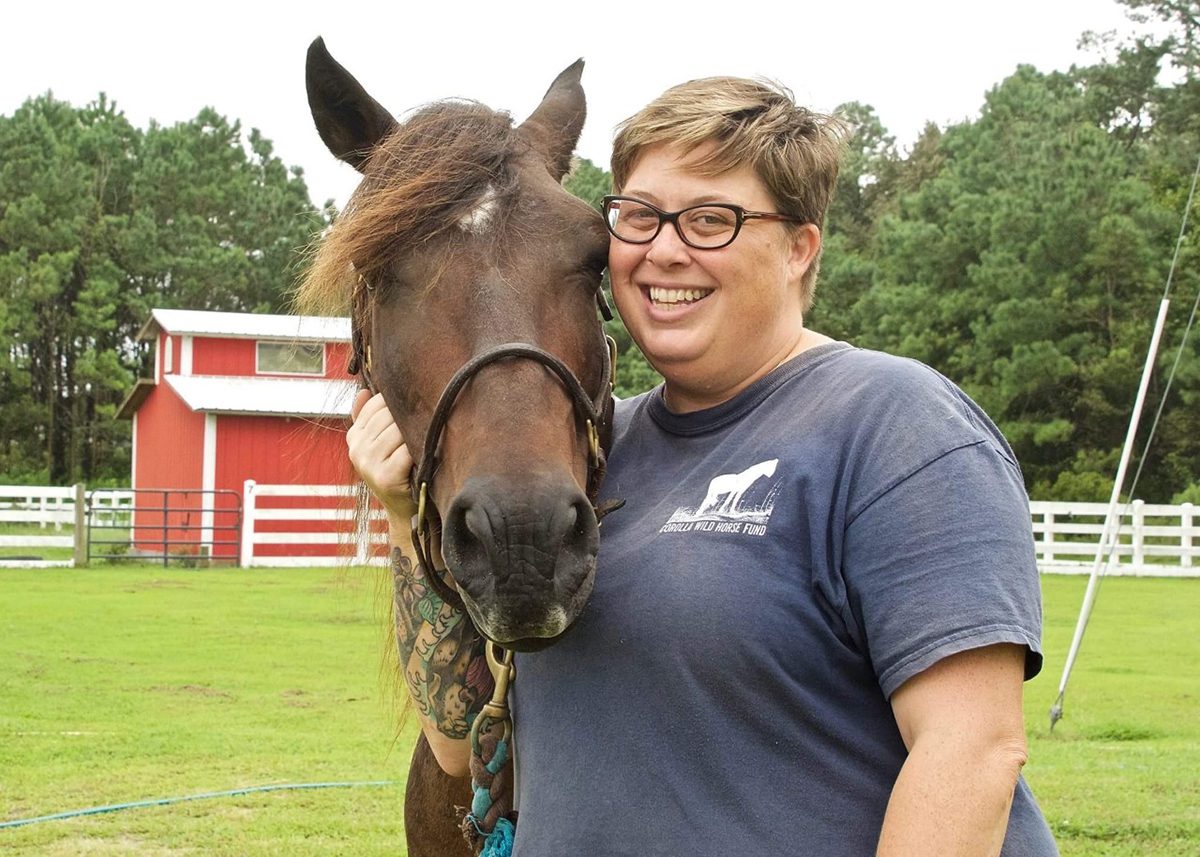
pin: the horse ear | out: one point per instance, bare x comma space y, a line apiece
349, 120
554, 127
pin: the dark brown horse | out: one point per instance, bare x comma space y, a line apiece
459, 239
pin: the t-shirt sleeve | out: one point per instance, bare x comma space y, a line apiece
942, 562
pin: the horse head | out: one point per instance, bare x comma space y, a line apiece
458, 240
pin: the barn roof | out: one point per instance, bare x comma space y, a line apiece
246, 325
292, 397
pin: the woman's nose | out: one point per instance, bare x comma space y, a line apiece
668, 248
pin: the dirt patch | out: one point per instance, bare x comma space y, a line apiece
1122, 732
296, 698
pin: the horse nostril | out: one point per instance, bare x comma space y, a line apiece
476, 521
467, 534
577, 537
562, 531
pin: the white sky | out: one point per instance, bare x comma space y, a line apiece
914, 62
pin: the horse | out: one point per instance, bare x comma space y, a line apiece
473, 280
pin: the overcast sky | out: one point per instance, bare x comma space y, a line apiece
925, 60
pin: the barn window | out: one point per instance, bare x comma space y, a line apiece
291, 358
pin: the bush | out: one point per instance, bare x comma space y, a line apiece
1190, 494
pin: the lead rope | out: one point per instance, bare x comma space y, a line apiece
490, 825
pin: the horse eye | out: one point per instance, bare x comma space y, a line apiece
595, 264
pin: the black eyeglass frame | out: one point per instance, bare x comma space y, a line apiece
741, 215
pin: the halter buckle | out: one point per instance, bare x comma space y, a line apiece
593, 444
421, 510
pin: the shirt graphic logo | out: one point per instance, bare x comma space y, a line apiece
734, 503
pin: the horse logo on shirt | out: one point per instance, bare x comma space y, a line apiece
734, 503
725, 492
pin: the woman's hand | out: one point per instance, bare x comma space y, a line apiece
381, 457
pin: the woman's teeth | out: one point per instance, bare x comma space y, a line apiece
674, 296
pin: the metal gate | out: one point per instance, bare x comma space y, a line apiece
187, 526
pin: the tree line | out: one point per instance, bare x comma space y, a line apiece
99, 223
1022, 253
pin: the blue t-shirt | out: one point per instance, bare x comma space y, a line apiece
783, 563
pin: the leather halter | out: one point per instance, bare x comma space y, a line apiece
595, 414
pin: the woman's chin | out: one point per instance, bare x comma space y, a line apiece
673, 352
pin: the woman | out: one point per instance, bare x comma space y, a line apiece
812, 620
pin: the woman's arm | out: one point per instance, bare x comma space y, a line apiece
441, 653
962, 722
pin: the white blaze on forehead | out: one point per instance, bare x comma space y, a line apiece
478, 218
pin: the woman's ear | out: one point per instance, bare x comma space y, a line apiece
806, 247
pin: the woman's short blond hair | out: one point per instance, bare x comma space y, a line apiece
794, 151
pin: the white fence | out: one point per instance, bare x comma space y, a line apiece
35, 504
1153, 540
25, 506
305, 525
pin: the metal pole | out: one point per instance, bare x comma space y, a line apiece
81, 526
246, 548
164, 514
1109, 536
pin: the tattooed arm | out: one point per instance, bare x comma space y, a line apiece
440, 651
443, 661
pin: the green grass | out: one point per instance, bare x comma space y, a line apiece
1120, 774
120, 684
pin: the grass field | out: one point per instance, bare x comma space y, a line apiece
122, 684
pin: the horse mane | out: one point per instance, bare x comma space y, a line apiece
420, 180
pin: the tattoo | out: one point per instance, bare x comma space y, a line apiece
441, 652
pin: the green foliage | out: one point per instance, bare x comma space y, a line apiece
588, 182
101, 222
1190, 494
634, 373
1022, 254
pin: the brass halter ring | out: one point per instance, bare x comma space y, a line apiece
496, 710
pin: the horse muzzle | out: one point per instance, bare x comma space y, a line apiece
523, 554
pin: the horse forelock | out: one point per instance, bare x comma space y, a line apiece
448, 166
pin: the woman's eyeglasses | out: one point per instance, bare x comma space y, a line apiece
705, 227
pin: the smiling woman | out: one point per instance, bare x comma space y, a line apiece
713, 307
820, 600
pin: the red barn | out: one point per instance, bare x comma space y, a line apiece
234, 396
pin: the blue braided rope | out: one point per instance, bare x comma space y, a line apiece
499, 842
